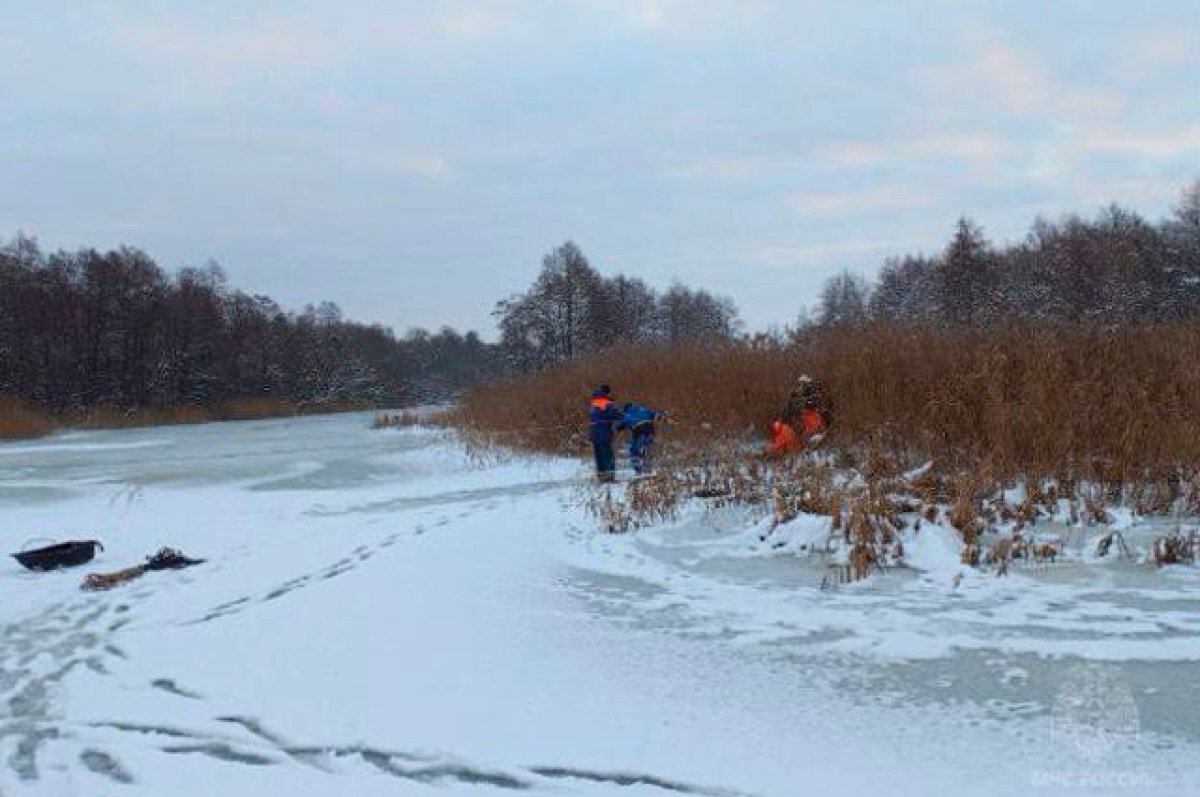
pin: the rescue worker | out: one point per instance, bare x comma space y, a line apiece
639, 420
804, 420
604, 417
807, 408
783, 440
805, 393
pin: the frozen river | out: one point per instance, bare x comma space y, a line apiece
380, 615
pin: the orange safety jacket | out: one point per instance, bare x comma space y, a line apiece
811, 422
783, 439
603, 419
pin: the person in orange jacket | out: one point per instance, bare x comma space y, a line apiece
804, 420
604, 419
807, 407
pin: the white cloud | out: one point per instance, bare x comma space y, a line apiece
998, 75
474, 23
1162, 144
649, 14
423, 165
838, 203
688, 18
309, 38
1010, 79
1161, 49
822, 253
1153, 192
1065, 161
977, 148
263, 43
974, 146
727, 167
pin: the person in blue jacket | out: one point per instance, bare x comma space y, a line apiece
605, 418
639, 420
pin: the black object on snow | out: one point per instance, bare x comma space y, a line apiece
64, 554
169, 559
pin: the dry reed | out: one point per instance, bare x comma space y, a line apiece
391, 419
243, 409
1117, 408
18, 420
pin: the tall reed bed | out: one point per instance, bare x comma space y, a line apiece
243, 409
715, 393
18, 420
1115, 407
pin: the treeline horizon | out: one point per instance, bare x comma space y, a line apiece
1115, 269
90, 329
113, 329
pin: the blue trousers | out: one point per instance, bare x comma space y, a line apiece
606, 461
639, 451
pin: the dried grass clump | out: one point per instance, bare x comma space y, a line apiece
109, 417
655, 498
18, 420
1001, 554
1043, 551
1175, 548
1177, 493
808, 491
613, 514
390, 419
872, 529
255, 408
964, 516
106, 416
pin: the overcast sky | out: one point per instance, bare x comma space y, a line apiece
413, 161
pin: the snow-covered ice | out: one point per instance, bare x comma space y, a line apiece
379, 614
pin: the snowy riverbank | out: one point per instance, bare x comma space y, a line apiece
380, 616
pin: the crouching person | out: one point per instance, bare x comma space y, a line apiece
639, 420
808, 410
604, 417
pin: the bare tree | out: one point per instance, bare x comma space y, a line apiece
688, 316
844, 301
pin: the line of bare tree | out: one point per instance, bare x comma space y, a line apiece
571, 310
1115, 269
88, 328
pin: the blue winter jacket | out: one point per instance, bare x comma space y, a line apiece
605, 416
639, 419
